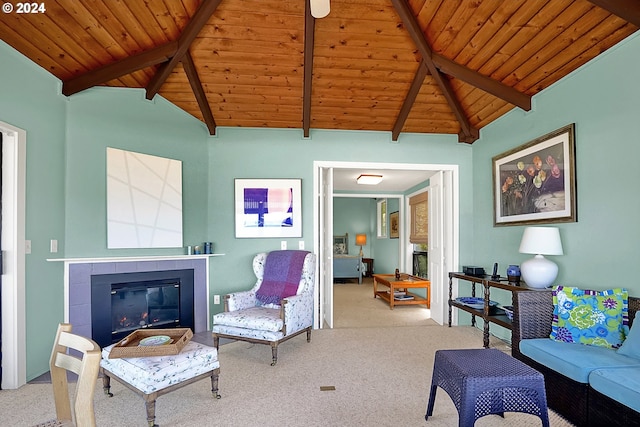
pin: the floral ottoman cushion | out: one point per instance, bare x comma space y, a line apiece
150, 374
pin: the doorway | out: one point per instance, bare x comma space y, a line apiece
12, 298
443, 210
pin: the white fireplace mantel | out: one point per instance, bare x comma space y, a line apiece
129, 258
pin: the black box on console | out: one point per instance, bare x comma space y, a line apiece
473, 271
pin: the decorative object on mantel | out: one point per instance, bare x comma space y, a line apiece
536, 182
540, 272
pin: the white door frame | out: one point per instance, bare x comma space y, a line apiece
14, 353
451, 231
324, 311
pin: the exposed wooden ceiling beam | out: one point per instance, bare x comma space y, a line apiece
625, 9
469, 139
190, 32
119, 68
309, 28
480, 81
198, 91
411, 24
407, 104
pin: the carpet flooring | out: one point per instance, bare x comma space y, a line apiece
358, 375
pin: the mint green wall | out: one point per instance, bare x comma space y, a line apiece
352, 215
270, 153
386, 250
121, 118
602, 99
30, 100
66, 140
66, 189
358, 215
418, 187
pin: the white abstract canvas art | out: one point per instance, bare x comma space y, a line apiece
144, 201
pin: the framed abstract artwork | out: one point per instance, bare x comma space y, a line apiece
144, 200
535, 182
268, 208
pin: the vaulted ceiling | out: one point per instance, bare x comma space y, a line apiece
425, 66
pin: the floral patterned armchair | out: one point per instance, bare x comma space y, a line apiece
247, 318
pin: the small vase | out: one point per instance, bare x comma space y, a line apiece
513, 270
513, 274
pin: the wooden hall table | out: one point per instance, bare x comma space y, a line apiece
406, 282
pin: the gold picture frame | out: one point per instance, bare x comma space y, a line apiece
535, 182
394, 225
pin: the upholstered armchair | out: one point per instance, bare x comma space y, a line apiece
278, 307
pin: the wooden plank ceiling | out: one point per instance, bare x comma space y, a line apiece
425, 66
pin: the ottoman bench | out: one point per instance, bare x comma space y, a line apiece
487, 381
152, 377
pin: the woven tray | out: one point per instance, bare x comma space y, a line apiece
128, 347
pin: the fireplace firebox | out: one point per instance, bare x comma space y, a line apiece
124, 302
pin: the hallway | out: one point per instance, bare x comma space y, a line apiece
355, 307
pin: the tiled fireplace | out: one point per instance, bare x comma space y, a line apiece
79, 273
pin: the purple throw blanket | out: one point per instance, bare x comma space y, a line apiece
282, 272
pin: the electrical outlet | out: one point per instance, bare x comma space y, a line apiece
283, 245
54, 246
301, 245
27, 246
216, 299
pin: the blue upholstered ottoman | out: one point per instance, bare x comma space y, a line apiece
487, 381
152, 377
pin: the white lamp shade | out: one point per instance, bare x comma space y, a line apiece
319, 8
541, 240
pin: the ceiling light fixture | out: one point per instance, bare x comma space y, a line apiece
319, 8
368, 179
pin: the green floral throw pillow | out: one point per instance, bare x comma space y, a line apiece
590, 317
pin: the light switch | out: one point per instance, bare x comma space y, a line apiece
54, 246
301, 245
27, 246
283, 245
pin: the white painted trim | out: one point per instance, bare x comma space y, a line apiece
452, 245
131, 258
14, 353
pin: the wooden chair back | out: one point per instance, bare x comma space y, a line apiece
81, 356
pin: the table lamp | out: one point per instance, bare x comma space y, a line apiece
361, 240
540, 272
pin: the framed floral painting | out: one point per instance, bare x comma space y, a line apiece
535, 182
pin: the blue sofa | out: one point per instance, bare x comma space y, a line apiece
586, 384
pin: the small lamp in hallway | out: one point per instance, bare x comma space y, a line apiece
361, 240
